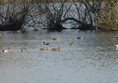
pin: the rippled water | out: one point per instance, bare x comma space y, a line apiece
92, 60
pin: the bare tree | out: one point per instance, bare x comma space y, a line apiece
52, 14
13, 14
84, 14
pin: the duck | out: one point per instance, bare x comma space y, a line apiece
6, 50
57, 39
23, 49
44, 49
70, 39
1, 34
35, 29
116, 46
45, 43
56, 49
72, 44
18, 30
81, 37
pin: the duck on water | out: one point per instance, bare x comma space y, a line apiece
116, 46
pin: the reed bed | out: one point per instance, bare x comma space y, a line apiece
108, 16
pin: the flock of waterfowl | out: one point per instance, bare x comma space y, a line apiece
6, 50
57, 49
48, 48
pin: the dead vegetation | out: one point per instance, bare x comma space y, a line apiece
108, 16
51, 14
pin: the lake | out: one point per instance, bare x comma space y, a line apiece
91, 60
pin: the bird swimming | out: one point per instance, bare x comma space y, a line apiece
56, 49
57, 39
81, 37
45, 43
116, 46
23, 49
72, 44
44, 49
6, 50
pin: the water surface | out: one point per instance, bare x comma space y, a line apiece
92, 60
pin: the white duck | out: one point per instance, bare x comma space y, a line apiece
116, 46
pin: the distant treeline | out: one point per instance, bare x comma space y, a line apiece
81, 14
7, 1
